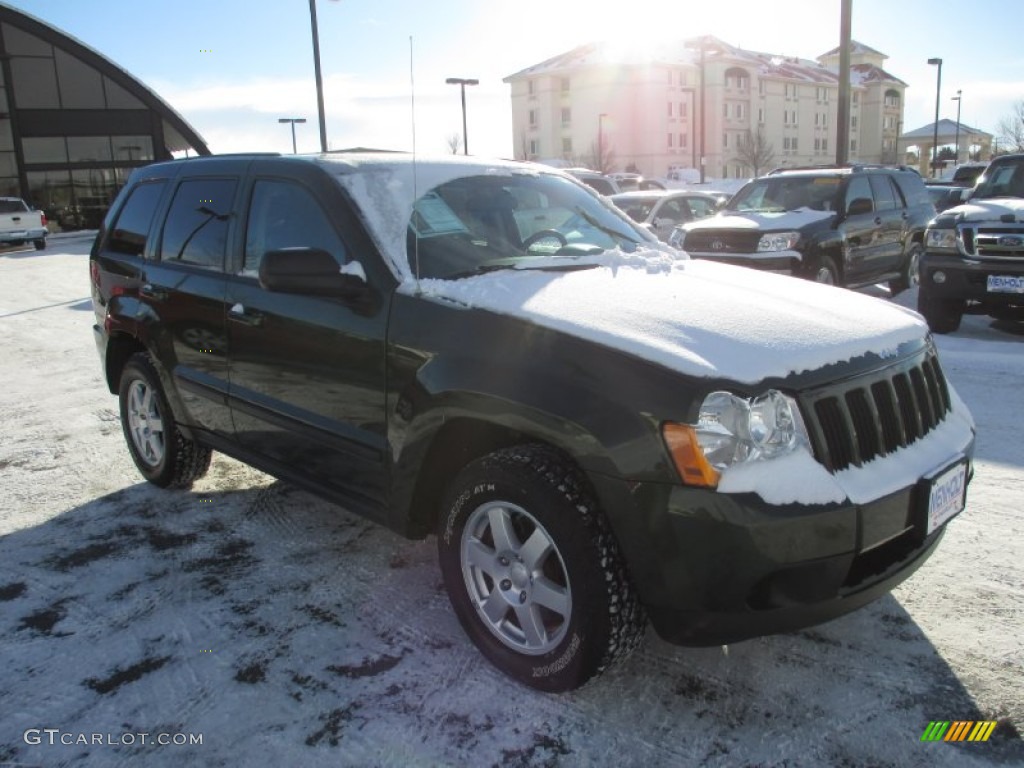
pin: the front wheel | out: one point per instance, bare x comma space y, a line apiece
823, 270
163, 455
533, 571
942, 315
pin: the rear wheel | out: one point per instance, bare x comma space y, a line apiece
942, 315
164, 456
533, 571
909, 272
39, 244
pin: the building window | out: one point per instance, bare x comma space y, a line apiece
684, 140
533, 118
760, 115
824, 145
683, 111
817, 145
725, 141
670, 140
567, 146
853, 121
531, 88
534, 147
793, 144
565, 85
785, 143
670, 109
856, 99
739, 111
725, 110
566, 115
853, 145
684, 78
761, 87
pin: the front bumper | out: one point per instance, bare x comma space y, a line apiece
967, 279
779, 262
714, 568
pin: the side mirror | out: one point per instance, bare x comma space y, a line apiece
311, 271
860, 205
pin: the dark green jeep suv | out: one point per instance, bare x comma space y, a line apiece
598, 430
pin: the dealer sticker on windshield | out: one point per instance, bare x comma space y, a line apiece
946, 495
1005, 284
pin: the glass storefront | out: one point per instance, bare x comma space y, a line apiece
71, 127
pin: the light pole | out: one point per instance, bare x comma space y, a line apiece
293, 121
935, 134
701, 43
462, 82
600, 141
957, 100
319, 78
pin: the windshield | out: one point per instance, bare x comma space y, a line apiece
477, 223
787, 193
1001, 180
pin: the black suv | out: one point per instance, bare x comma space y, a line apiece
597, 430
974, 260
848, 226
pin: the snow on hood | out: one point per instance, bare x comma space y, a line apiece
989, 209
699, 318
782, 220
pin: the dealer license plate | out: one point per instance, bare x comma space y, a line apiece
946, 495
1005, 284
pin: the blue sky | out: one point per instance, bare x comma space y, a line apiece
232, 67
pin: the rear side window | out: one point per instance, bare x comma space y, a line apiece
283, 214
129, 233
859, 189
912, 187
196, 231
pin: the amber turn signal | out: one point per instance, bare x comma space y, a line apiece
687, 455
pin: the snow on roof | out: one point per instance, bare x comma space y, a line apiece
862, 74
678, 53
855, 49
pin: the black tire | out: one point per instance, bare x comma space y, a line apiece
942, 315
822, 269
909, 270
164, 456
542, 504
39, 244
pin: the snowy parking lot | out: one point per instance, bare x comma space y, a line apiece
248, 623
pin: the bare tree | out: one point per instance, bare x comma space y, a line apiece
755, 150
603, 161
454, 142
1010, 130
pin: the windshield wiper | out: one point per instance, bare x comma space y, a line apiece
607, 230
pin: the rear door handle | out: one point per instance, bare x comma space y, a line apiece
239, 314
154, 292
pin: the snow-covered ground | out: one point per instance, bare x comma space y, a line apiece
284, 631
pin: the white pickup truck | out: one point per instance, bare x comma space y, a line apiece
20, 224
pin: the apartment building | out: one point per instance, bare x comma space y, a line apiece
642, 109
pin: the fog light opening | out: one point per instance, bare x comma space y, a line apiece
939, 277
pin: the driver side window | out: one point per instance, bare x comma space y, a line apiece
283, 214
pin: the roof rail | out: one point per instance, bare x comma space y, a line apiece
854, 167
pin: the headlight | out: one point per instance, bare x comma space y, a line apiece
732, 429
940, 240
778, 241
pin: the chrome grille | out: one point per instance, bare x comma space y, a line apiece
723, 241
874, 415
993, 241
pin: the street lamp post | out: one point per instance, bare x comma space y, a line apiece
462, 82
957, 100
293, 121
319, 77
935, 135
600, 141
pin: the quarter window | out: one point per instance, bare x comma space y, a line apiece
196, 231
283, 214
129, 233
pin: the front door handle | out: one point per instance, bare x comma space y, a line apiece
239, 314
154, 292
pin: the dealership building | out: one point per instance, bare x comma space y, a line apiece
73, 124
